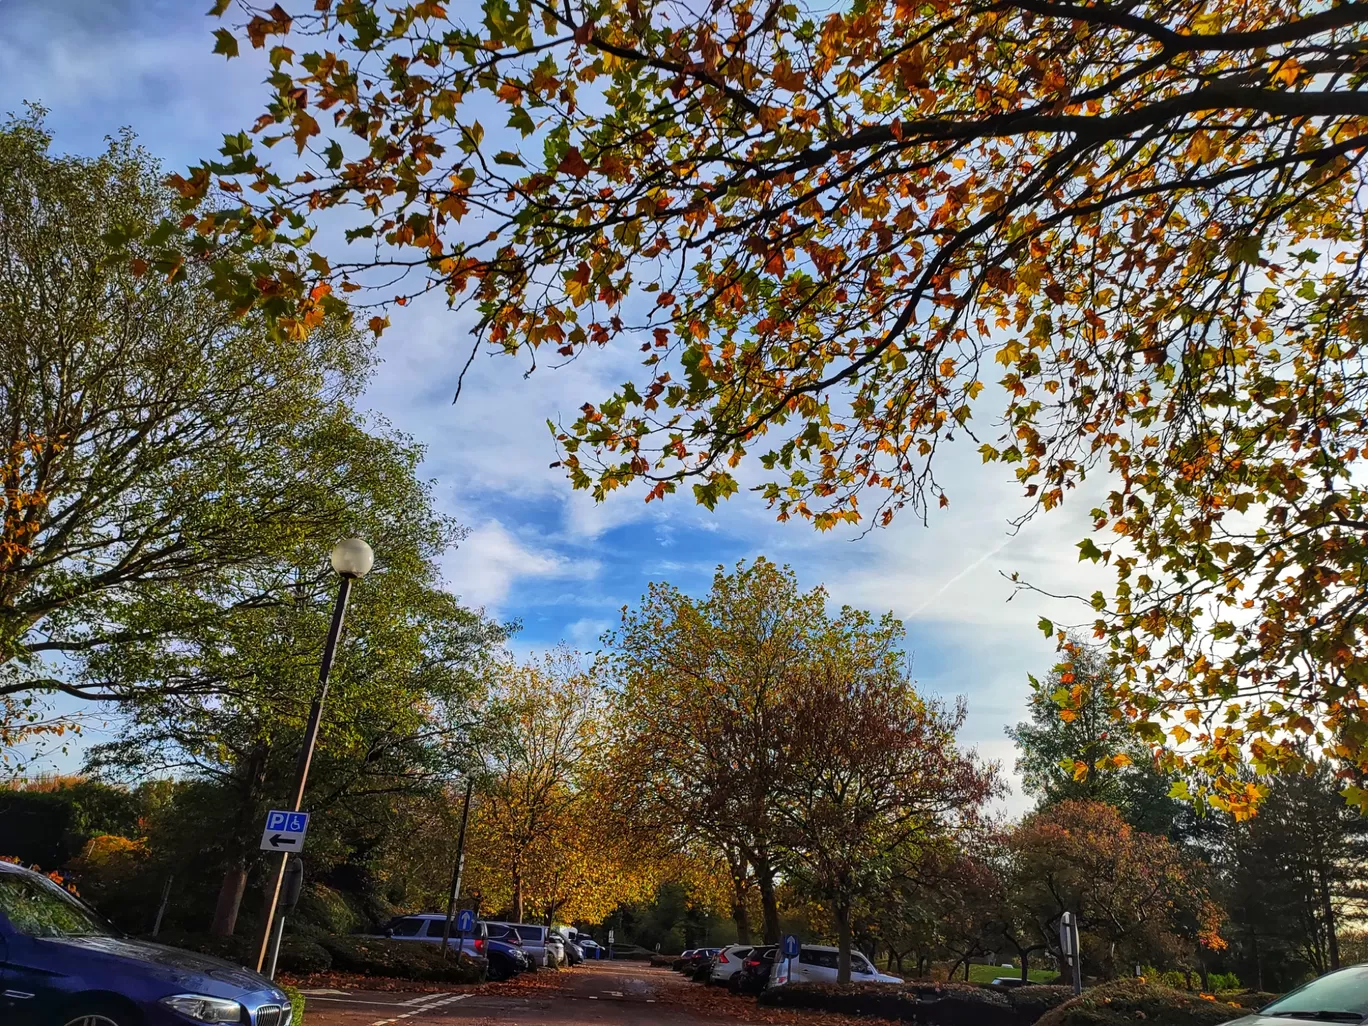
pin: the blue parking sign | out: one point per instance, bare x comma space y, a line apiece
465, 921
791, 946
285, 830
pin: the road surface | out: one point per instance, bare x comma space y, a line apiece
594, 994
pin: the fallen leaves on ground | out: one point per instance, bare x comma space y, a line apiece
714, 1001
359, 981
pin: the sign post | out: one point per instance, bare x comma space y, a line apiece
292, 885
610, 945
789, 949
465, 923
1068, 946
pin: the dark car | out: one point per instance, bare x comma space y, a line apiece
62, 965
755, 971
1008, 982
697, 960
678, 964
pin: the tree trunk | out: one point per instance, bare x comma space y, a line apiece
517, 897
1025, 967
1258, 959
1328, 911
842, 916
234, 884
967, 962
740, 879
229, 899
769, 902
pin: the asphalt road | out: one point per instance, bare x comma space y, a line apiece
595, 994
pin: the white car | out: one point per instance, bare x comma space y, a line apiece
817, 964
728, 962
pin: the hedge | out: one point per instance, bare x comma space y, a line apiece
297, 954
943, 1004
1130, 1001
296, 1004
406, 960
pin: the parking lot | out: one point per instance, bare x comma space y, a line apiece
620, 994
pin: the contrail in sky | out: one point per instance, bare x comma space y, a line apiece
967, 570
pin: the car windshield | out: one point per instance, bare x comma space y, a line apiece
37, 907
1336, 997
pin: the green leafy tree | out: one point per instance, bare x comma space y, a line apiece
402, 702
164, 459
1079, 745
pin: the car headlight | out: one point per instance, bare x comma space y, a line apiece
204, 1009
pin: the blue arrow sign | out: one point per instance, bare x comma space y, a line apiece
465, 921
790, 946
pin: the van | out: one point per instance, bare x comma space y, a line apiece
817, 964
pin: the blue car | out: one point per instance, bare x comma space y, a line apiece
62, 965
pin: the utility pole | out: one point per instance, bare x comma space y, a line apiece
459, 868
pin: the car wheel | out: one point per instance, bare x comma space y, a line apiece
96, 1015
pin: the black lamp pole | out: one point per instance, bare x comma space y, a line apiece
310, 739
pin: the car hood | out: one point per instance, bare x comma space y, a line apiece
1256, 1019
175, 964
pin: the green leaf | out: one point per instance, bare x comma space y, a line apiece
1046, 627
225, 43
1180, 791
1087, 550
220, 8
509, 158
522, 121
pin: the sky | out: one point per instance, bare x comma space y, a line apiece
536, 551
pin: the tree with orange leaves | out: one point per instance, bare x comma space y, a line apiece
830, 234
1137, 896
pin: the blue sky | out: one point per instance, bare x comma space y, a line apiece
536, 551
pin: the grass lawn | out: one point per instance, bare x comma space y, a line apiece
989, 973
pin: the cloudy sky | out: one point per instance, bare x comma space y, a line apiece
536, 551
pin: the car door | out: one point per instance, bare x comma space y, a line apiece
860, 969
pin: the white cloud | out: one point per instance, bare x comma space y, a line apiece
491, 560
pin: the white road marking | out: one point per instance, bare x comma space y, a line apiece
322, 993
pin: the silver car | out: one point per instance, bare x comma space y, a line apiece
1340, 996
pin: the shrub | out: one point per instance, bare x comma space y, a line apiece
1223, 981
406, 960
296, 1003
946, 1004
1130, 1001
297, 954
1030, 1003
326, 910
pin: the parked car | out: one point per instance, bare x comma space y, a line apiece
755, 971
728, 963
534, 940
1338, 996
696, 960
62, 965
817, 964
568, 934
555, 949
1008, 982
702, 973
591, 947
429, 927
678, 964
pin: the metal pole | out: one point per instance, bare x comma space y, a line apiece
306, 756
459, 868
275, 946
161, 909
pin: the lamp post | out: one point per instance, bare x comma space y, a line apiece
352, 558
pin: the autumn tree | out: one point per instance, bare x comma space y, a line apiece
872, 772
700, 712
1137, 896
535, 742
826, 233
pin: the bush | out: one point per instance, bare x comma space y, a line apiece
1223, 981
1030, 1003
665, 961
406, 960
296, 1003
327, 911
297, 954
946, 1004
1130, 1001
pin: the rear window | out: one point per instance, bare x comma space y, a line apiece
531, 933
407, 927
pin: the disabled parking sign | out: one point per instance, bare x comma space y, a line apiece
285, 830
